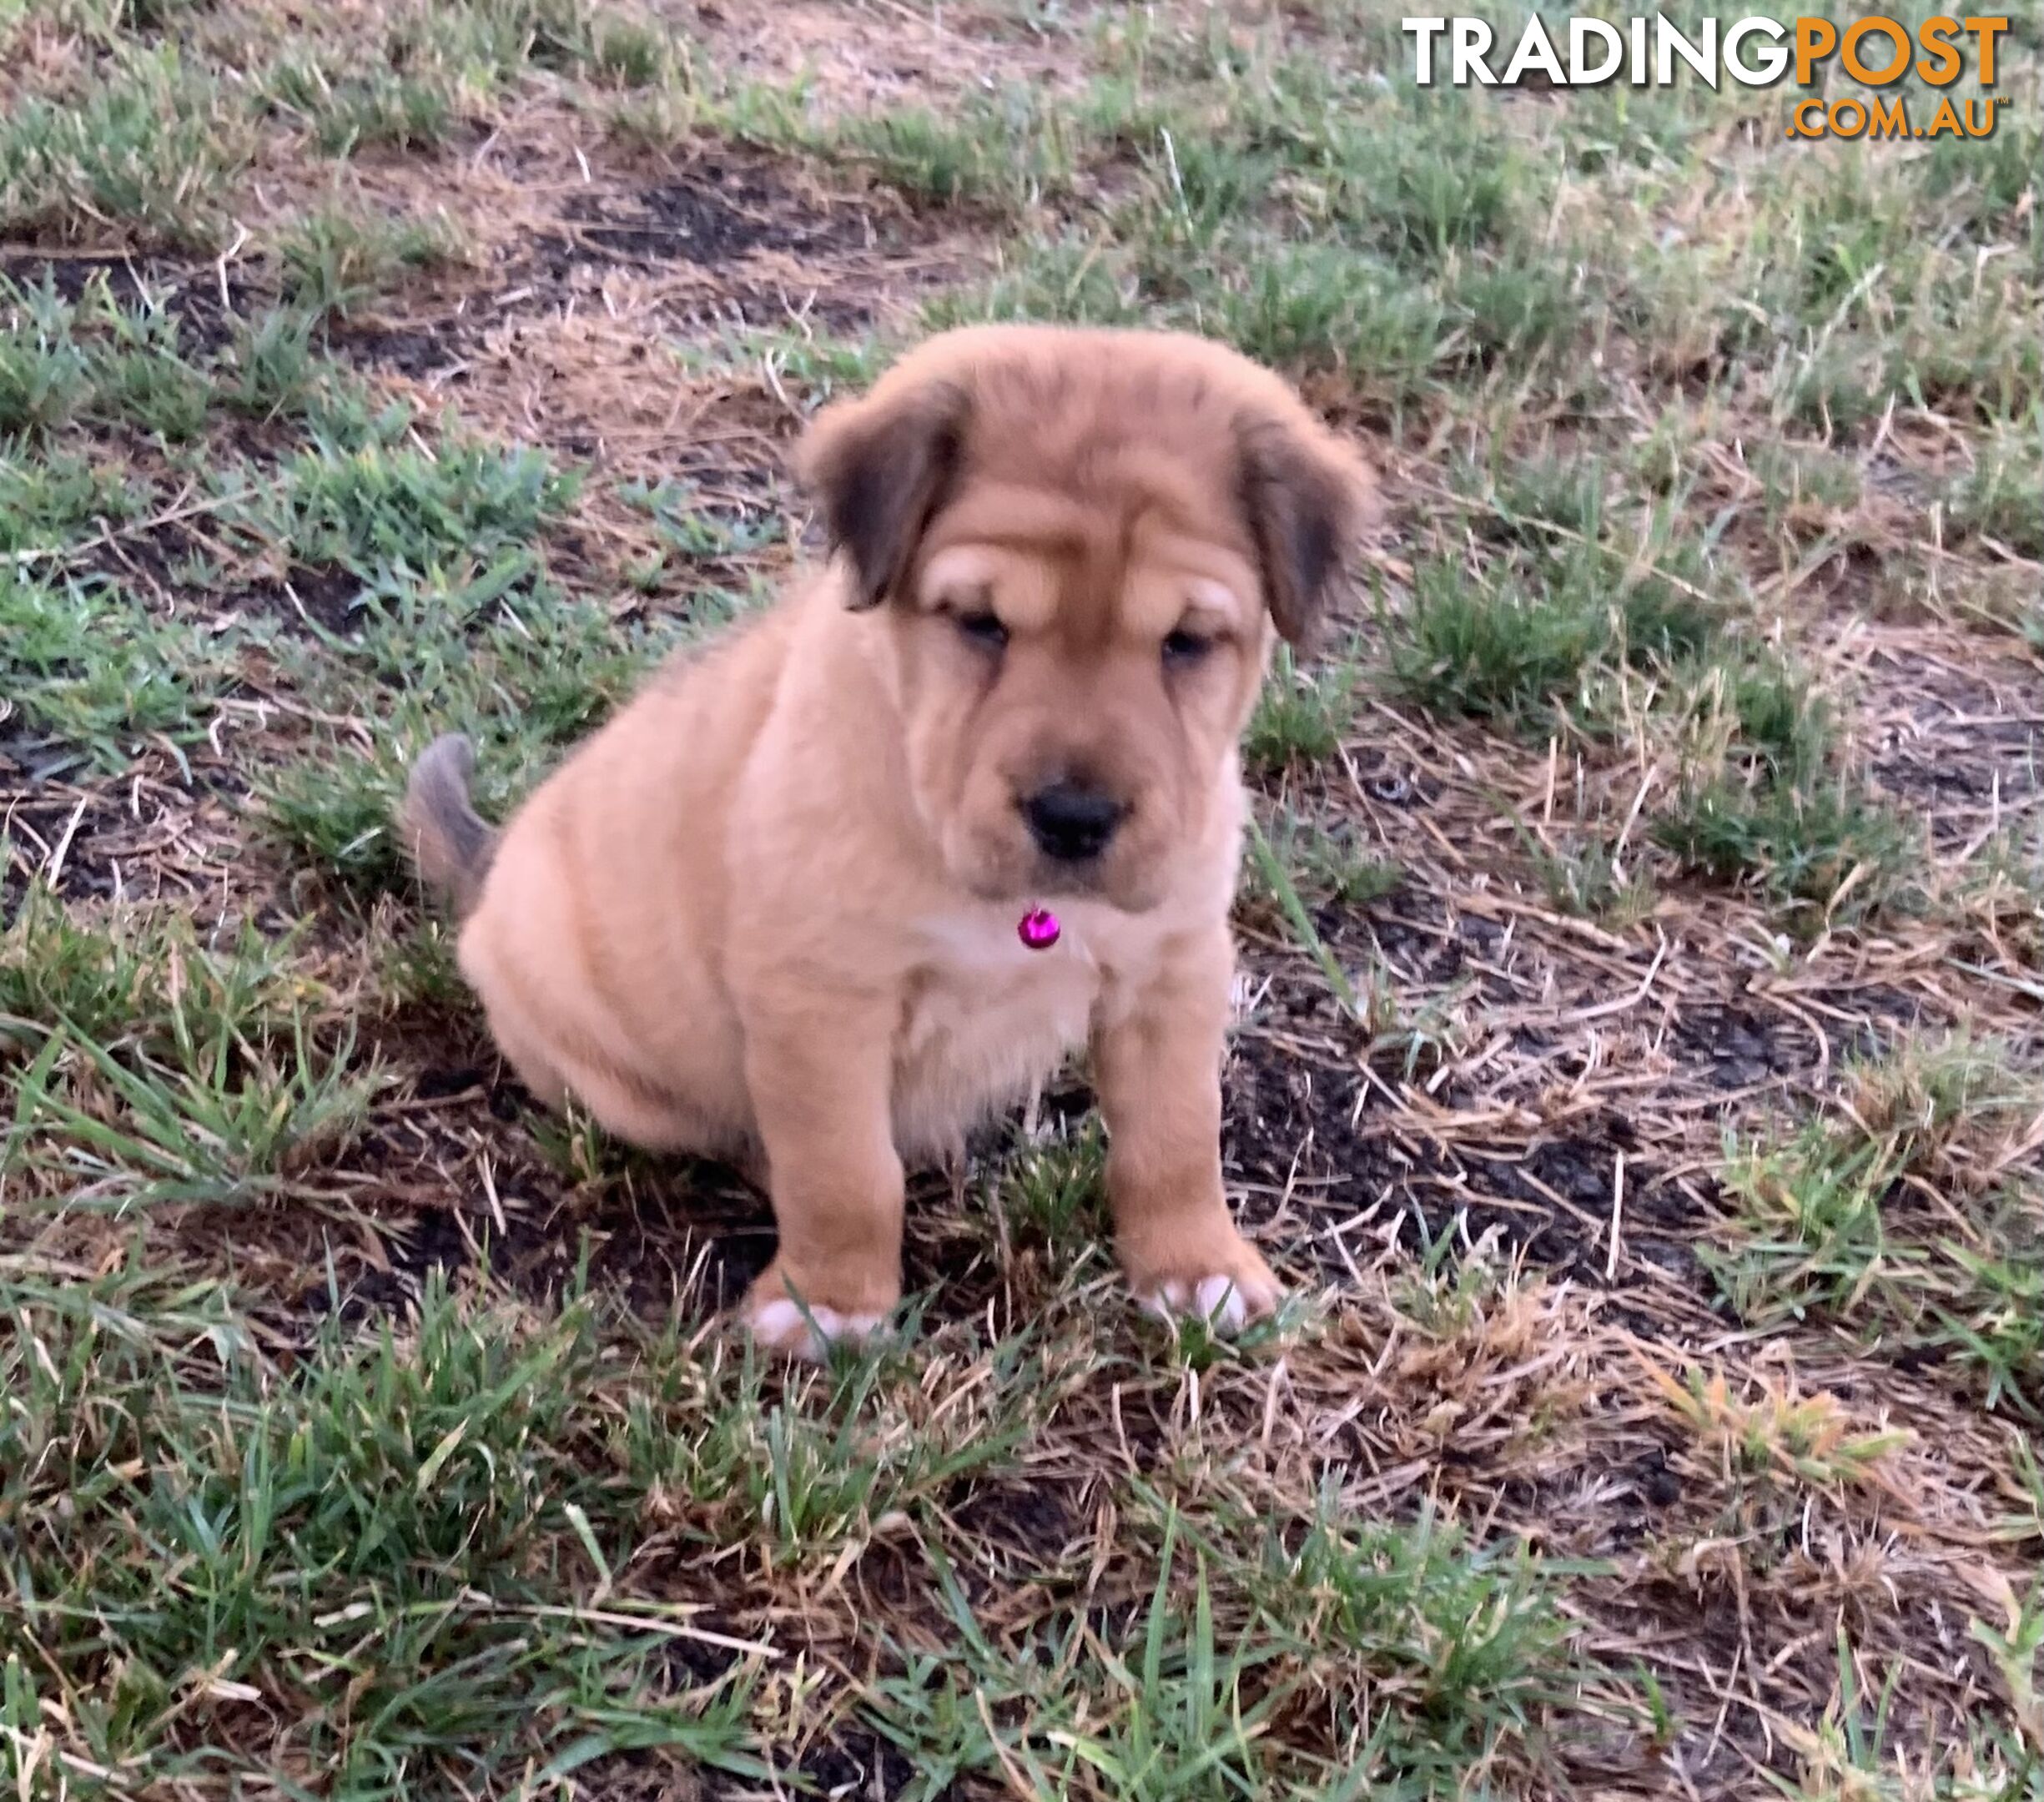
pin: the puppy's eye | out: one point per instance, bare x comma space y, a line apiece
1183, 646
983, 629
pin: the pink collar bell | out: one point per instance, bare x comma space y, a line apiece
1038, 929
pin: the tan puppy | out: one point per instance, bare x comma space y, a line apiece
770, 912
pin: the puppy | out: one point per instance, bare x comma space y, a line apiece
770, 912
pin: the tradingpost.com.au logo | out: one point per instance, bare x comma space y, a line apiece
1881, 54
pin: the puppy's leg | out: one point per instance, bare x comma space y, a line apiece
820, 1078
1156, 1066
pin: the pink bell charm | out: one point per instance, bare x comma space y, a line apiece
1038, 929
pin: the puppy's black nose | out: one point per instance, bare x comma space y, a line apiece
1071, 822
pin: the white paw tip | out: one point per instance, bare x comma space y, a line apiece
1219, 1300
782, 1324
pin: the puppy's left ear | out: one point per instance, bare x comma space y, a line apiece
879, 467
1306, 495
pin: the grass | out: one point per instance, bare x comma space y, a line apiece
111, 981
1300, 714
128, 367
384, 507
1619, 882
214, 1120
85, 668
1851, 1218
1819, 846
148, 149
1997, 497
314, 1527
336, 262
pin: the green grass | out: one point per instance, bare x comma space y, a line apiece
334, 262
1574, 598
43, 371
371, 496
159, 1068
1450, 1654
1584, 875
82, 665
1998, 497
1301, 711
1051, 1193
213, 1119
1836, 1222
51, 503
128, 369
384, 1530
993, 150
1331, 866
141, 377
437, 73
269, 369
110, 979
381, 109
523, 670
148, 149
1820, 845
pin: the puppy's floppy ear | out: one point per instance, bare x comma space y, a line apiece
879, 468
1306, 495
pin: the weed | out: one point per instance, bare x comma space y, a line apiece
1807, 1437
1819, 1237
522, 684
1804, 486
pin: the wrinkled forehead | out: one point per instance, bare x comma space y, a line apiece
1123, 528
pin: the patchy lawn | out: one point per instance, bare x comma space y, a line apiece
1637, 1068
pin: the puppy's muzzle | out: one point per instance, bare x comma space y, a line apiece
1071, 822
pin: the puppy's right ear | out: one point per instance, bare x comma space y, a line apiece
879, 468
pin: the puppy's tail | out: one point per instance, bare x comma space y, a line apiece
450, 845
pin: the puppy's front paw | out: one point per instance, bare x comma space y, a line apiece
806, 1329
782, 1326
1227, 1290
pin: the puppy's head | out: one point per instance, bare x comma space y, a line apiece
1081, 545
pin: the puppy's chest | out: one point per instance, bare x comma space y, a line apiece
986, 1007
